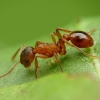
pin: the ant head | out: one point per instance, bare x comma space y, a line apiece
27, 56
81, 39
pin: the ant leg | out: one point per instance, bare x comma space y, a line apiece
37, 43
79, 49
63, 51
62, 45
53, 38
10, 70
61, 29
20, 49
57, 33
64, 30
58, 61
41, 56
36, 66
36, 62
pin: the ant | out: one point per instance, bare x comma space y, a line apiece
79, 39
41, 50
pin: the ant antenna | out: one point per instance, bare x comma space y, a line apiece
19, 50
10, 70
93, 30
13, 57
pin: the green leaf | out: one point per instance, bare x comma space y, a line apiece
21, 83
53, 87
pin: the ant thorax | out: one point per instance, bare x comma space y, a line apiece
47, 49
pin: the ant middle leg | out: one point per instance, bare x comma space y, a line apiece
53, 38
63, 48
58, 61
59, 43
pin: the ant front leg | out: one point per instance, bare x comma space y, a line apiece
36, 66
36, 62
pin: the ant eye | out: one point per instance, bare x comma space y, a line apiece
26, 61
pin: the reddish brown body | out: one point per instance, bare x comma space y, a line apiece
47, 49
78, 39
42, 50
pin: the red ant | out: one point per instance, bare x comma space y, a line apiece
41, 50
80, 39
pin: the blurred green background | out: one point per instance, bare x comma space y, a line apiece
24, 20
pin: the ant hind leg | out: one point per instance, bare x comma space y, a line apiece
86, 54
61, 29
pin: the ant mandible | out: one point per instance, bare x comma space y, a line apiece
41, 50
78, 39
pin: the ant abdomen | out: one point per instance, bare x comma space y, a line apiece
81, 39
